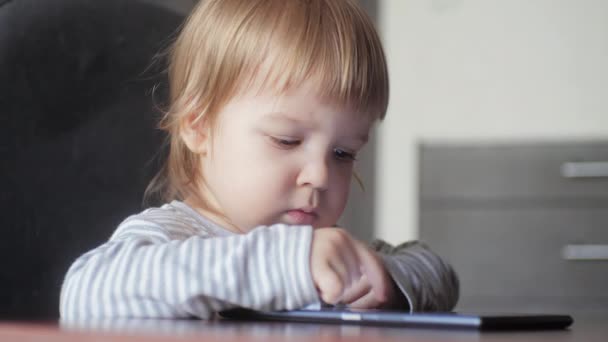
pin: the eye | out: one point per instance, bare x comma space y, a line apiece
285, 142
344, 156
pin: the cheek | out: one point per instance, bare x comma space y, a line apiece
341, 188
251, 167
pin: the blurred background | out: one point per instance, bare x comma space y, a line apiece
495, 146
494, 150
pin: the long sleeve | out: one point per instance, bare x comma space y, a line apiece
427, 281
153, 274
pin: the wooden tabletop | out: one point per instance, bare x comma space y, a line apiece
587, 327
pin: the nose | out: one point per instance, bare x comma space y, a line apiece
314, 173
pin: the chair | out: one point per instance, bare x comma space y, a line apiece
77, 130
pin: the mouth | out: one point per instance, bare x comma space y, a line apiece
301, 216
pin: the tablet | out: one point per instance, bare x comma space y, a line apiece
409, 320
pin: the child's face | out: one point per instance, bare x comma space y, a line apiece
281, 159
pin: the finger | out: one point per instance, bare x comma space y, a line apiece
360, 289
346, 278
339, 267
352, 263
375, 273
368, 301
329, 285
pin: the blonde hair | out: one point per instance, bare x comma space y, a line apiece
225, 43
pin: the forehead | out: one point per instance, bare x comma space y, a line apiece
311, 91
302, 106
304, 101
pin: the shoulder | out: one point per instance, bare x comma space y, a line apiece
168, 222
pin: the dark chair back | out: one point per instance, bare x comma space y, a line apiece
78, 134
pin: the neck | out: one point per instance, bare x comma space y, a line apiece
210, 211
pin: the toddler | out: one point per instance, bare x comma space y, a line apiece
270, 102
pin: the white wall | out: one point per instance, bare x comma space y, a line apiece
479, 70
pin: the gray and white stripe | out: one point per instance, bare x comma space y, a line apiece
149, 269
171, 262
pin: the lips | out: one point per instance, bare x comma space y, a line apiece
301, 216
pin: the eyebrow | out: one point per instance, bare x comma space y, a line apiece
363, 138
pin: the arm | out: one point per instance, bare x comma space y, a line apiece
427, 282
141, 275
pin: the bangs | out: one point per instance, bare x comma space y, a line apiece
331, 43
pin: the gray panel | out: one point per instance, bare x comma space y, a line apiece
513, 257
522, 172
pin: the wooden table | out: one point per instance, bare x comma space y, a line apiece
586, 328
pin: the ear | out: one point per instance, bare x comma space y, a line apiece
194, 134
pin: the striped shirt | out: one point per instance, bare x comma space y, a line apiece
171, 262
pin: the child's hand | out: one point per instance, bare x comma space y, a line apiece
345, 271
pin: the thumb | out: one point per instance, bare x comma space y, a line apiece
373, 268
